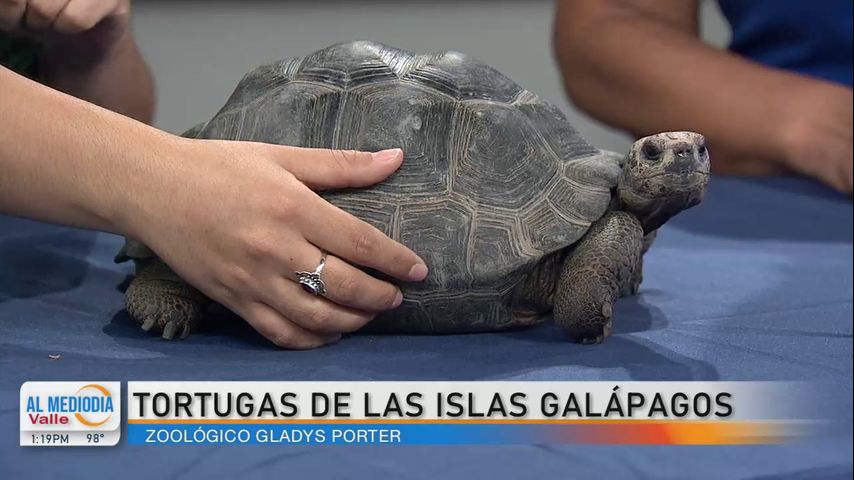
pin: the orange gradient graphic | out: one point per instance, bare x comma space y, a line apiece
636, 432
81, 418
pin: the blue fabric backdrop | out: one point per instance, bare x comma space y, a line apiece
755, 284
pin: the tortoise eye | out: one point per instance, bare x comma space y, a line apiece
651, 151
701, 150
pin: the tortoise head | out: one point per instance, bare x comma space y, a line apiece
664, 174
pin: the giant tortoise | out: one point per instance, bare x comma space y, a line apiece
515, 213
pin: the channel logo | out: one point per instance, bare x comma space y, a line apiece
70, 413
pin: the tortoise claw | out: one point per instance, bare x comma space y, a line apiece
606, 330
178, 325
149, 323
170, 330
186, 331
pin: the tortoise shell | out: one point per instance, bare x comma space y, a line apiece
494, 180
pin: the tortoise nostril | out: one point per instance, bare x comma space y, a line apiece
682, 150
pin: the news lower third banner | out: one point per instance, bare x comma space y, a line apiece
417, 413
421, 413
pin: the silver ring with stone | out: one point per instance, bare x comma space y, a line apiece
311, 281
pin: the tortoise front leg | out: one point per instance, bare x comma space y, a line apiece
600, 267
637, 273
162, 302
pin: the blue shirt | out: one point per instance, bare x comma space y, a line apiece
808, 37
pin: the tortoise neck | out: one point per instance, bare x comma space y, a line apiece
654, 212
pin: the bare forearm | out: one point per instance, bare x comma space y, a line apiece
642, 74
118, 79
63, 160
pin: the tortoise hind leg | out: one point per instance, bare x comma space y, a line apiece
161, 302
600, 267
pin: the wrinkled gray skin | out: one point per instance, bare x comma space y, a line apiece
516, 215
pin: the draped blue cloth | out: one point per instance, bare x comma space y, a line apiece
754, 284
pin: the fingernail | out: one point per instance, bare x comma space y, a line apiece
398, 299
418, 272
387, 156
